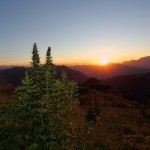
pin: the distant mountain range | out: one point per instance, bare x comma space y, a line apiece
111, 70
80, 73
16, 74
139, 66
12, 75
143, 62
3, 67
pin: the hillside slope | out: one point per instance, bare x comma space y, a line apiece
132, 86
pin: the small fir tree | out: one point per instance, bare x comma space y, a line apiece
73, 90
35, 56
24, 92
49, 64
70, 88
49, 74
48, 57
64, 78
36, 73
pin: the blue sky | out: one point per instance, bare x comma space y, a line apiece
79, 31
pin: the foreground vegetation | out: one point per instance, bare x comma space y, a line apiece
45, 114
120, 126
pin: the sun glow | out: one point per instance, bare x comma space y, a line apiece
104, 61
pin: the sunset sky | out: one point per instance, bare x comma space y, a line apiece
78, 31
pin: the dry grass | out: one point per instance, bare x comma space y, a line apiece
121, 124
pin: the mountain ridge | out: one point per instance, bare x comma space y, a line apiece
108, 71
143, 62
16, 74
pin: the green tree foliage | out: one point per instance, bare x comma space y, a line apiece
31, 114
24, 91
49, 64
49, 74
48, 57
70, 88
35, 56
44, 102
65, 89
73, 91
36, 74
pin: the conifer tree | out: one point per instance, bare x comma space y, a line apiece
64, 86
64, 78
36, 73
31, 108
24, 92
35, 56
45, 105
73, 91
58, 94
48, 57
49, 74
65, 90
49, 63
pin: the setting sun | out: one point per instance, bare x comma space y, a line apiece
104, 61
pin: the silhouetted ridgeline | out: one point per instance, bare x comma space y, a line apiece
16, 74
2, 67
143, 62
13, 75
111, 70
